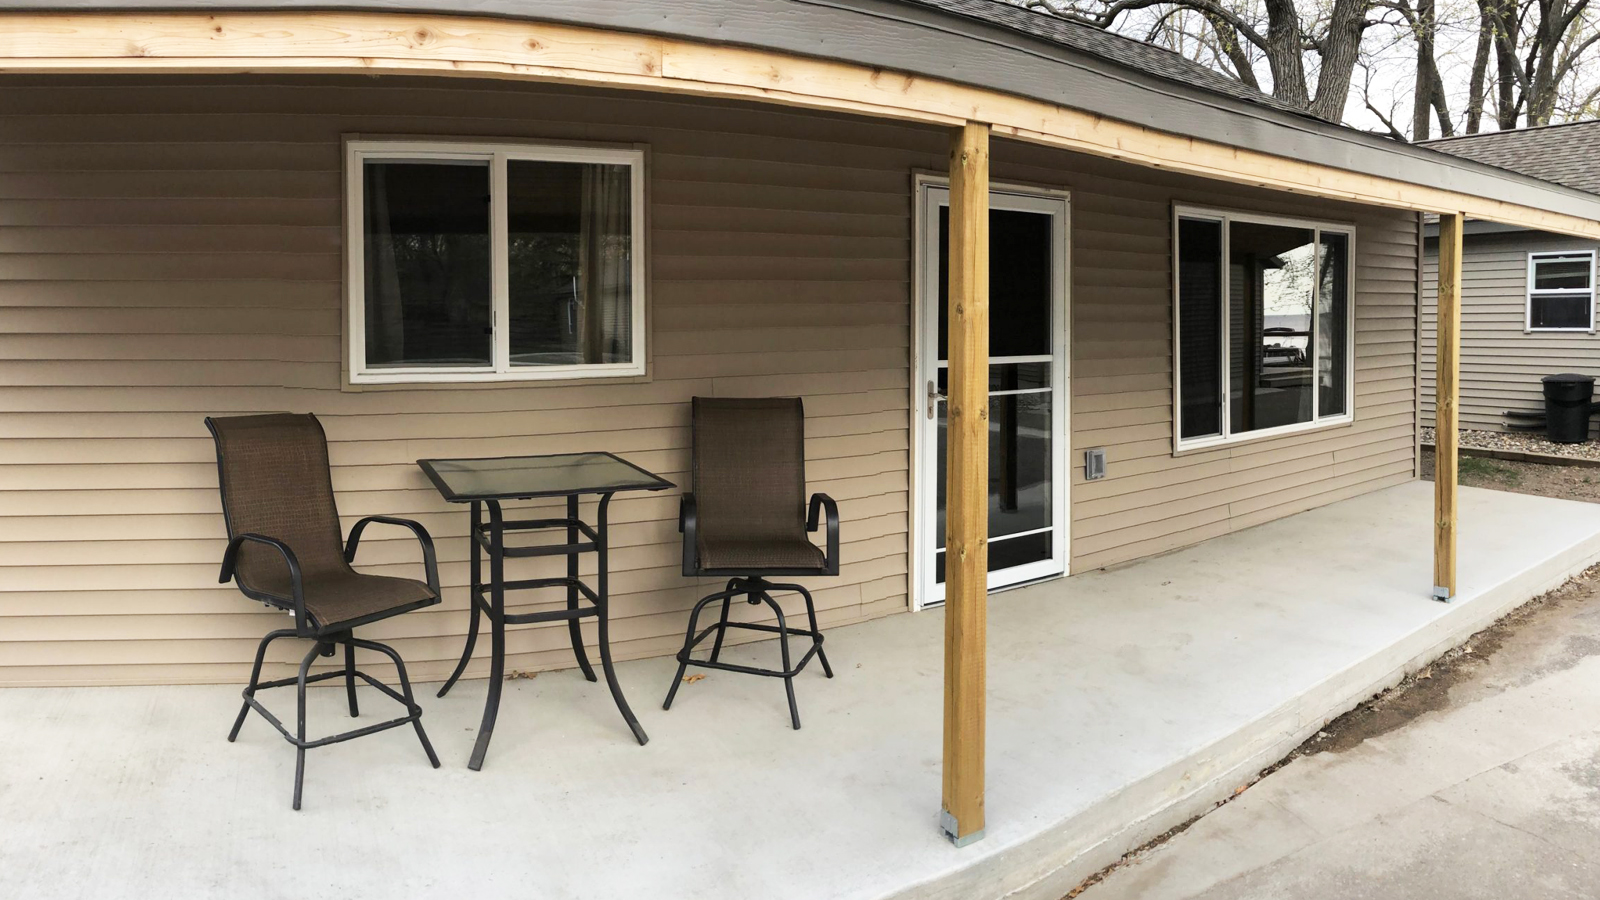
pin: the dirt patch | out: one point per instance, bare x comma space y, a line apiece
1554, 630
1526, 628
1567, 482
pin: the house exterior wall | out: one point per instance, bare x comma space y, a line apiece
171, 249
1501, 362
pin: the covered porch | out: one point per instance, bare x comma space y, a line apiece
1121, 703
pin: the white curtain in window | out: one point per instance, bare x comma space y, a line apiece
605, 265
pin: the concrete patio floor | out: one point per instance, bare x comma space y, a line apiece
1478, 782
1120, 703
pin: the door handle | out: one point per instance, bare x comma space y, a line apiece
934, 396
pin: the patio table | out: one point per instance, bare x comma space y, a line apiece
485, 483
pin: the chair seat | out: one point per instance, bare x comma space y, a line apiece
336, 598
763, 554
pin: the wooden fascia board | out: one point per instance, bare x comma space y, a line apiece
409, 43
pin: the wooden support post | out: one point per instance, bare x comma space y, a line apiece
1448, 394
967, 486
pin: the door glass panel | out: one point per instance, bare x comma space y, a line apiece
1020, 275
1007, 376
427, 281
1019, 465
1020, 494
1272, 280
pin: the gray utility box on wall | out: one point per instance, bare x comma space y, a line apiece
1094, 464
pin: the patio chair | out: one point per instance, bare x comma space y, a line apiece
284, 550
747, 519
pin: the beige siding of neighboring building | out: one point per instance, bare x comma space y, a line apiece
1501, 362
172, 249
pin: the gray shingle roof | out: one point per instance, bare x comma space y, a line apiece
1565, 154
1109, 46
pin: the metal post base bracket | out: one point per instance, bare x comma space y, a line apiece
948, 824
1441, 594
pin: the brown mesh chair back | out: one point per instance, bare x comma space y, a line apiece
748, 517
750, 470
277, 500
273, 470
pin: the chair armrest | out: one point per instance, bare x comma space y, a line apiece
689, 527
230, 561
820, 502
430, 563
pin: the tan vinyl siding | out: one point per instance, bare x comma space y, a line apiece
171, 249
1501, 362
1152, 501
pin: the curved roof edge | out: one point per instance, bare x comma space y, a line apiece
921, 39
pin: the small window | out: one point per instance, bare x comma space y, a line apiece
1561, 291
473, 262
1263, 324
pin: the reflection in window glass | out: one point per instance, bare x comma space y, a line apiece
571, 262
1557, 273
1263, 325
1272, 279
1333, 311
427, 296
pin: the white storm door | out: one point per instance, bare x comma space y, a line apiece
1028, 387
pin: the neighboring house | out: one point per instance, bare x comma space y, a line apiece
1528, 296
241, 211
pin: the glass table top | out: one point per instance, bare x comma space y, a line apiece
523, 477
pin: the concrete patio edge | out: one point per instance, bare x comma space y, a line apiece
1052, 863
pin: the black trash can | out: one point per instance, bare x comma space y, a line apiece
1566, 407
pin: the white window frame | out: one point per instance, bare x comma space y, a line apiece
1527, 307
497, 155
1317, 422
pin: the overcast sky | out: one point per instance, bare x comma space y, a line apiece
1390, 54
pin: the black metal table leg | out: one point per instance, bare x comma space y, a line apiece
472, 602
572, 589
497, 633
603, 591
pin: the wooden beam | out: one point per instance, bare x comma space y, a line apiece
966, 572
1448, 394
371, 43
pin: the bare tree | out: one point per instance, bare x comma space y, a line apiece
1310, 56
1478, 79
1428, 98
1505, 62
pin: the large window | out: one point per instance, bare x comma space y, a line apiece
1263, 325
474, 262
1561, 291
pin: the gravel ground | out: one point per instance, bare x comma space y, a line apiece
1522, 442
1567, 482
